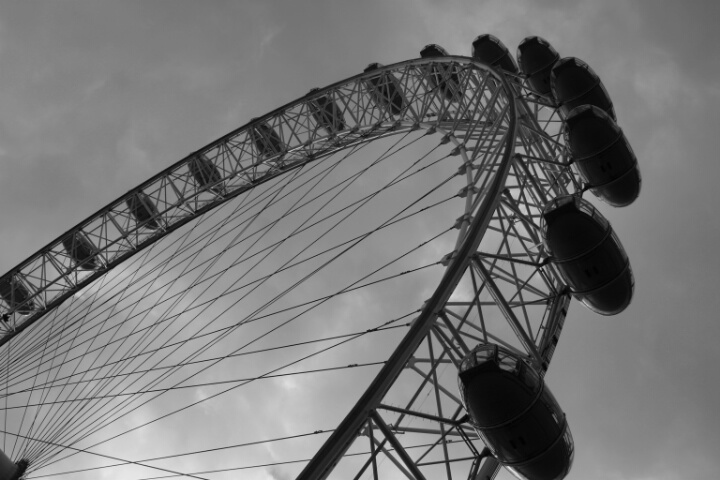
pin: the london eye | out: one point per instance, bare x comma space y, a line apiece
396, 251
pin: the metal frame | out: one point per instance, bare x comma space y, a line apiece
498, 286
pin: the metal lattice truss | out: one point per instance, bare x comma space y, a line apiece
499, 285
380, 103
506, 292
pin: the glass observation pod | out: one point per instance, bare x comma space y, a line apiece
602, 155
574, 83
490, 50
206, 174
267, 142
588, 254
326, 113
81, 250
515, 413
443, 78
16, 295
144, 210
536, 58
385, 90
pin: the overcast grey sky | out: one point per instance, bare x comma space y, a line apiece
97, 96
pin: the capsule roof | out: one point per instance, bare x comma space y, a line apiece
574, 83
433, 50
491, 50
536, 57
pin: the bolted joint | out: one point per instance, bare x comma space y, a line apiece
465, 219
445, 261
472, 189
467, 167
457, 150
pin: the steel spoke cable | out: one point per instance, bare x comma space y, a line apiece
63, 435
426, 207
211, 384
217, 394
186, 454
284, 310
78, 450
201, 219
158, 380
26, 449
145, 345
67, 415
260, 351
286, 462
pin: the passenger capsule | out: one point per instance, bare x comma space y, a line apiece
536, 58
144, 210
81, 250
515, 413
385, 90
588, 254
443, 77
574, 83
206, 174
326, 113
602, 155
16, 295
490, 50
267, 142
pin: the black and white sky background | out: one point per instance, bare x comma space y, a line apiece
95, 97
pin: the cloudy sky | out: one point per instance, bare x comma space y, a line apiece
97, 96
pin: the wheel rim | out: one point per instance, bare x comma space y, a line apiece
479, 130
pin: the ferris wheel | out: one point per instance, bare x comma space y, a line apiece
302, 297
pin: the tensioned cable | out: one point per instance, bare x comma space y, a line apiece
149, 252
286, 462
157, 381
225, 328
313, 354
175, 473
218, 382
216, 211
350, 152
186, 454
309, 302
